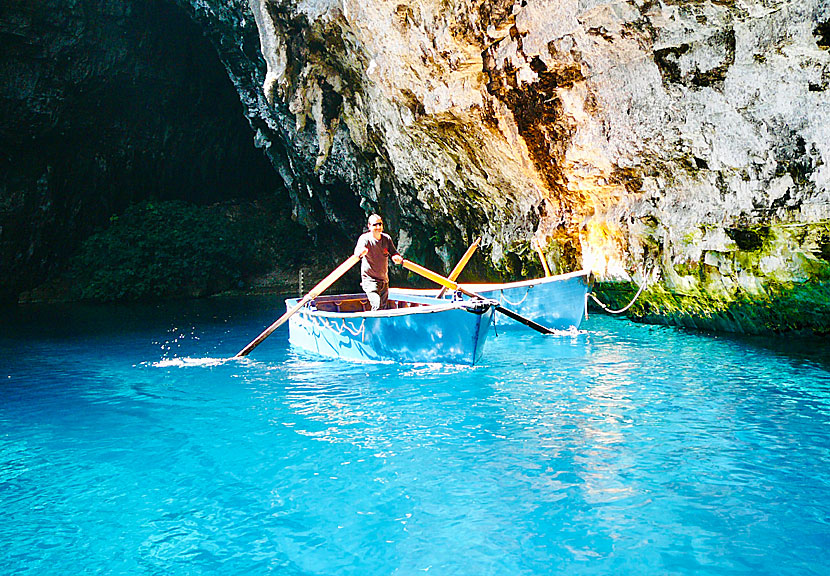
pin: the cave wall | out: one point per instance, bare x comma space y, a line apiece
388, 103
103, 104
692, 136
623, 135
638, 139
679, 142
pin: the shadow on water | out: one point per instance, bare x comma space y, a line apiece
71, 319
799, 348
214, 328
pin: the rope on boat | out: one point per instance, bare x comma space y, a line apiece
627, 306
514, 304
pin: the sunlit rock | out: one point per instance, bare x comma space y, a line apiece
555, 118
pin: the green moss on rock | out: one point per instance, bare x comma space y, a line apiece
783, 307
519, 263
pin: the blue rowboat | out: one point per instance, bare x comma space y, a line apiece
556, 302
413, 329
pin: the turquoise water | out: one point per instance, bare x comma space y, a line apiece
128, 447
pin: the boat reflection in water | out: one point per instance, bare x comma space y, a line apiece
415, 328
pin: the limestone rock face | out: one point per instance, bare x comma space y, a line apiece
618, 133
686, 141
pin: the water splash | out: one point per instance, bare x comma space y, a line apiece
187, 361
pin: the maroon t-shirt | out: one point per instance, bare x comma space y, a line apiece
375, 265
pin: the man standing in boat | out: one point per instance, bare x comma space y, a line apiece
375, 247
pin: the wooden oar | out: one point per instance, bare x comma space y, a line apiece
316, 291
438, 279
536, 245
456, 272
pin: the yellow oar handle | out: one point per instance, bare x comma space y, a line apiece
313, 293
542, 258
429, 274
456, 272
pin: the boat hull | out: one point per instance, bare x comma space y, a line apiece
556, 302
424, 330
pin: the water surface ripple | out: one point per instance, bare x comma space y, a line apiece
129, 444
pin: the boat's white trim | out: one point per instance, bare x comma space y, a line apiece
492, 287
394, 312
523, 283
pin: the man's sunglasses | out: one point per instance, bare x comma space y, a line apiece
376, 225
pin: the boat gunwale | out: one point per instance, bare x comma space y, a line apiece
423, 308
475, 287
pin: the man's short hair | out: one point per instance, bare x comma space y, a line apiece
375, 218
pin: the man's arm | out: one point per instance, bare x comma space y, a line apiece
361, 249
396, 257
